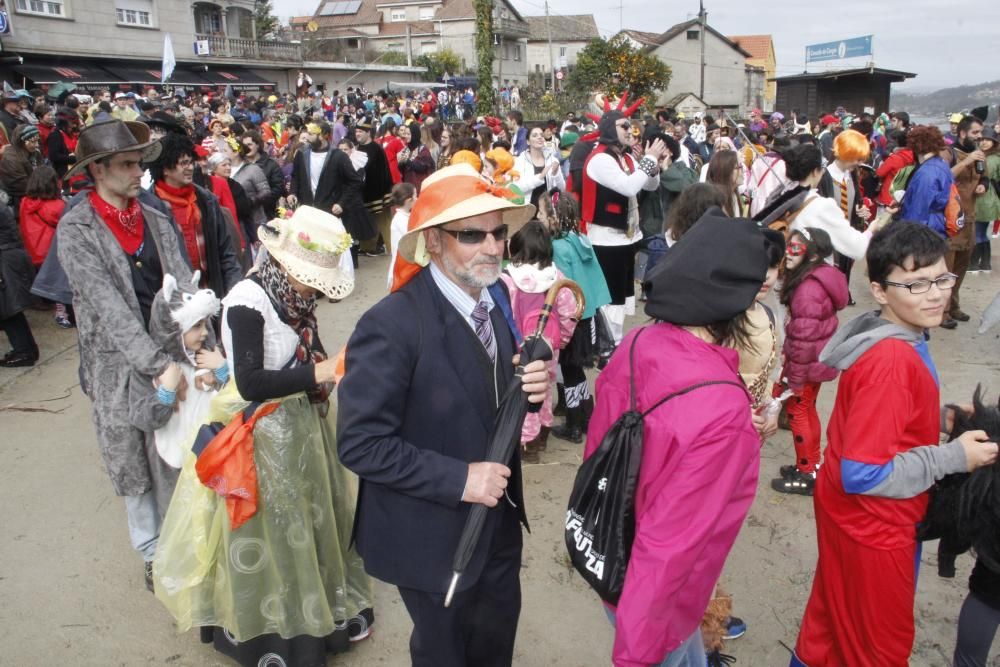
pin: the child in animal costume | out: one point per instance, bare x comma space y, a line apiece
881, 458
180, 321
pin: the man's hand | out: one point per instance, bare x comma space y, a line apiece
486, 483
976, 156
863, 212
292, 201
655, 149
337, 210
980, 189
979, 451
534, 380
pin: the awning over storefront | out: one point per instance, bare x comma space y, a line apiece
239, 79
79, 74
150, 75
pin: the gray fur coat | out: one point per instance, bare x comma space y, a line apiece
112, 335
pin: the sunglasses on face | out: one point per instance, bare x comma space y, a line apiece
625, 126
796, 249
476, 236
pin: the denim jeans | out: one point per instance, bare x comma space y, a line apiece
143, 523
691, 652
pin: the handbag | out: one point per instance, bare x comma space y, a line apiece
600, 519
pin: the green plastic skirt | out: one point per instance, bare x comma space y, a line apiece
288, 570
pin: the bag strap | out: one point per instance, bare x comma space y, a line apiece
633, 407
687, 390
794, 214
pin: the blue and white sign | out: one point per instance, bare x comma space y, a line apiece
847, 48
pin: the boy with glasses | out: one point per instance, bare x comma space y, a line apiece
881, 458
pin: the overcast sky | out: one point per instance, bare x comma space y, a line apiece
944, 48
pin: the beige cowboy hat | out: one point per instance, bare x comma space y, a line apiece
110, 137
314, 248
454, 193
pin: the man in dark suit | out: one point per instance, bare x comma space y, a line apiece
324, 178
425, 370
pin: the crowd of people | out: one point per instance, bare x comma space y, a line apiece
189, 239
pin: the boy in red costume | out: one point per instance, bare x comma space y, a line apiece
882, 456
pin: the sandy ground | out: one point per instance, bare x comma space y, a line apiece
72, 586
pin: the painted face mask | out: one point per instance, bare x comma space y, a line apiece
796, 249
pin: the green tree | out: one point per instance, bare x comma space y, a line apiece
440, 63
486, 96
392, 58
613, 66
267, 22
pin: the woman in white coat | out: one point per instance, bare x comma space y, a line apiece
538, 168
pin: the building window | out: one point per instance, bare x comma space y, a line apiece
562, 51
427, 47
354, 43
517, 52
397, 15
43, 7
394, 46
506, 51
426, 13
693, 34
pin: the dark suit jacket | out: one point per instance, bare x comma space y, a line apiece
339, 183
829, 189
416, 406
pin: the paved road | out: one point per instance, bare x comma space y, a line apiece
72, 591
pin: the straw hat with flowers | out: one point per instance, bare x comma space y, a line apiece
314, 248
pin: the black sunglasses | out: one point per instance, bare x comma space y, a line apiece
476, 236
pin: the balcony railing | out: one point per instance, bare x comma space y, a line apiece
251, 49
510, 27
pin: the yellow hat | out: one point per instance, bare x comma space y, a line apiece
956, 118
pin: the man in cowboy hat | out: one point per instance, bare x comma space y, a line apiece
425, 370
115, 252
378, 184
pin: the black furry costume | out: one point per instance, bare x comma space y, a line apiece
964, 510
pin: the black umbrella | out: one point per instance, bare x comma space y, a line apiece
507, 426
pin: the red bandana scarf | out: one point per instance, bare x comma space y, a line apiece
184, 203
126, 225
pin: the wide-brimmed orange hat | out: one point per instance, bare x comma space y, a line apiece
454, 193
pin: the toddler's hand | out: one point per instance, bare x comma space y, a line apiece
210, 359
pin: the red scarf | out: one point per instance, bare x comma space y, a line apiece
70, 140
184, 202
125, 225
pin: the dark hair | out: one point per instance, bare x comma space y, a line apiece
818, 248
254, 135
568, 214
720, 172
688, 208
775, 249
175, 146
347, 140
802, 160
501, 143
532, 244
733, 333
516, 116
966, 124
899, 243
43, 183
401, 192
924, 139
465, 144
104, 105
899, 137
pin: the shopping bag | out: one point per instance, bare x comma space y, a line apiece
225, 461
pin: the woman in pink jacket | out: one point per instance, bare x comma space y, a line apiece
700, 453
813, 292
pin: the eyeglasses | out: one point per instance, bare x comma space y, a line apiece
945, 282
476, 236
185, 162
796, 249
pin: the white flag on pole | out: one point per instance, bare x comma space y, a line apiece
169, 62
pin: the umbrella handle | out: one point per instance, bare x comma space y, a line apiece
550, 300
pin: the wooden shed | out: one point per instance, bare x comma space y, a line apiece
854, 89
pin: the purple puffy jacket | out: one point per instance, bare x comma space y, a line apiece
811, 321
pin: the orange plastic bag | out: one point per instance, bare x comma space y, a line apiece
225, 461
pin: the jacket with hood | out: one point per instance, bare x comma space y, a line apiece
176, 308
927, 195
887, 171
574, 256
812, 320
38, 219
988, 203
882, 453
697, 480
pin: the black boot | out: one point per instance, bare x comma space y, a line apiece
587, 405
985, 262
560, 409
571, 430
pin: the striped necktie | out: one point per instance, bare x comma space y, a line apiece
484, 329
844, 204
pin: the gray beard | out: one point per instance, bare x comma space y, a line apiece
468, 278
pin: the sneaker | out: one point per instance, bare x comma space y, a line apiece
360, 627
62, 321
798, 483
735, 628
18, 360
717, 659
148, 572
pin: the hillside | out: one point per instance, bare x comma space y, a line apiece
949, 100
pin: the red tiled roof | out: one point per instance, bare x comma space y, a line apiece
758, 46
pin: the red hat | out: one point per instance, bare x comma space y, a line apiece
200, 151
829, 119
